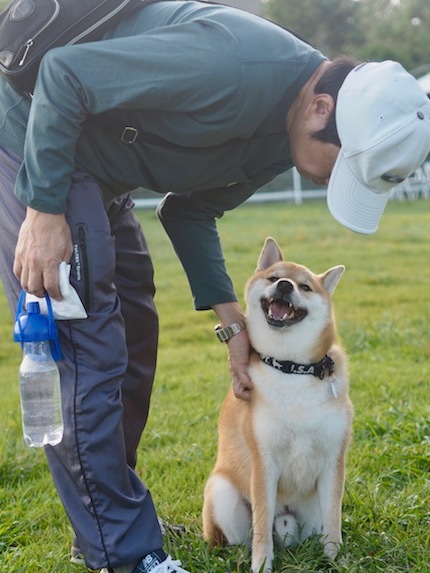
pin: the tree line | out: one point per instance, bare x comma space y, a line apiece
367, 29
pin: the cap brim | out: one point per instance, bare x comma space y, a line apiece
352, 204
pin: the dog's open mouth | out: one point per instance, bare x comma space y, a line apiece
280, 312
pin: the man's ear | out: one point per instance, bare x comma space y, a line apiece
320, 108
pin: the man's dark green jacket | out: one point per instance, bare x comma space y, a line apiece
207, 88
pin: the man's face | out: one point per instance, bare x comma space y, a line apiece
314, 159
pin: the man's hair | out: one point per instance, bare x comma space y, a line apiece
330, 83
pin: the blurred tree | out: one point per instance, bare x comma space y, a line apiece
327, 24
396, 30
368, 29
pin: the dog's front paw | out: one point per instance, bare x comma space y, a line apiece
331, 549
262, 567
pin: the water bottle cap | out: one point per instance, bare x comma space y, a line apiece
33, 307
32, 326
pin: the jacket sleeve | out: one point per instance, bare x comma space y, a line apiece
190, 222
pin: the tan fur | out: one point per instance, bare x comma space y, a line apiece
281, 456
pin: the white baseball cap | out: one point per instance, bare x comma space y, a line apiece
383, 122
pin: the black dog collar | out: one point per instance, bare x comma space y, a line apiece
318, 369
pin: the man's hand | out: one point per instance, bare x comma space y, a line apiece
238, 361
44, 241
238, 349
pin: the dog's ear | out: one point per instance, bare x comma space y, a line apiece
331, 277
270, 254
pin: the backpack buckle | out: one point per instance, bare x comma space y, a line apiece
129, 135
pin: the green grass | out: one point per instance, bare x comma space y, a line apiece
383, 309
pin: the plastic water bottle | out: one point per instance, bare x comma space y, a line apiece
39, 382
39, 379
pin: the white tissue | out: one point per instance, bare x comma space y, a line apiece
70, 307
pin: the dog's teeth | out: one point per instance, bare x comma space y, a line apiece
288, 316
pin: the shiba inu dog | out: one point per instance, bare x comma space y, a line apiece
279, 473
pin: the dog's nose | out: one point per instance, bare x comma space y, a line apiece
285, 286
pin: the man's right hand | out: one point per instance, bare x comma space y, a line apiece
238, 361
44, 241
238, 349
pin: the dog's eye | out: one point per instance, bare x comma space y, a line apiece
305, 287
272, 279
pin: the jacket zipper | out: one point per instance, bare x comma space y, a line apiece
85, 271
30, 42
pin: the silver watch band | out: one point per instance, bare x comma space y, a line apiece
224, 334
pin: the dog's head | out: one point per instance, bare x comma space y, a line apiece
289, 311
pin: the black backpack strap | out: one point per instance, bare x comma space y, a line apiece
127, 134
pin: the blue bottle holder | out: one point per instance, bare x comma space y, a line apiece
32, 326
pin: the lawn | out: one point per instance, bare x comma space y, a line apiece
383, 309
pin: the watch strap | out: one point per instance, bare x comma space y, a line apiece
225, 333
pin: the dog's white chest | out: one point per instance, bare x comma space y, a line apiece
300, 427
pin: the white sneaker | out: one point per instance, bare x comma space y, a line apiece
166, 566
167, 528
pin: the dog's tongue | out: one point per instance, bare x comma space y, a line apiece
280, 310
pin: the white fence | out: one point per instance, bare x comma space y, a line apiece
417, 186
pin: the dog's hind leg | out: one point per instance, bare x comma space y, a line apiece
226, 515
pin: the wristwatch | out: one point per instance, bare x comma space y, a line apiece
224, 334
